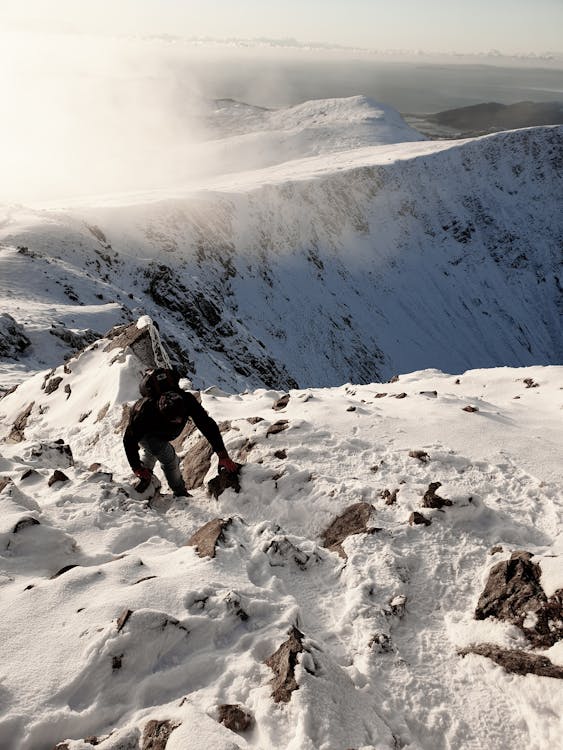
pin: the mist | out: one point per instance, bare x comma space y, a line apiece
88, 115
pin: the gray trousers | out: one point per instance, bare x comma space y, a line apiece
154, 449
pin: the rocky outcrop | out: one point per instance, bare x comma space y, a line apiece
13, 340
208, 537
516, 661
513, 593
431, 499
17, 434
354, 520
156, 734
235, 717
417, 519
283, 663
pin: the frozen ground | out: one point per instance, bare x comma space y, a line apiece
382, 624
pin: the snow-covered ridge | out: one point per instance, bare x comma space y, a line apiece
342, 267
112, 620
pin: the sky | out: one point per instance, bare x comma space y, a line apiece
510, 26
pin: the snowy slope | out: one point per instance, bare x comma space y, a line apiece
352, 265
382, 622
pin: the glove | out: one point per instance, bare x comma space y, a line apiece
228, 465
145, 476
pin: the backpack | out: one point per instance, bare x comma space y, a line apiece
156, 382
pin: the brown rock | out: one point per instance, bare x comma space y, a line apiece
389, 497
513, 592
235, 717
431, 499
138, 340
417, 518
102, 413
24, 523
430, 394
277, 427
124, 421
157, 733
421, 455
64, 569
196, 463
244, 451
354, 520
4, 482
58, 476
283, 663
394, 379
223, 481
52, 385
17, 433
494, 550
281, 454
281, 403
380, 395
84, 416
515, 661
122, 619
470, 409
351, 408
208, 537
68, 391
401, 395
254, 420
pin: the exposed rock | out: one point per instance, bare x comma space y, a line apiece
77, 340
138, 340
124, 421
244, 451
354, 520
102, 413
277, 427
13, 340
430, 394
24, 523
281, 403
514, 593
431, 499
116, 662
470, 409
394, 379
494, 550
223, 481
417, 518
401, 395
122, 619
141, 580
351, 408
84, 416
530, 383
235, 717
208, 537
68, 391
4, 482
64, 569
58, 476
389, 497
515, 661
51, 455
281, 454
381, 394
421, 455
52, 385
17, 432
254, 420
283, 663
196, 463
157, 733
380, 642
397, 605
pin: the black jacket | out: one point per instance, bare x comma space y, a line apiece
147, 420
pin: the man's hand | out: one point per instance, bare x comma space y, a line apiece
227, 464
145, 476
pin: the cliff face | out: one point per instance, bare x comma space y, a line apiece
346, 267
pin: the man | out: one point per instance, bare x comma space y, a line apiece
153, 423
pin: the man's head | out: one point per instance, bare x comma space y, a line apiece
171, 406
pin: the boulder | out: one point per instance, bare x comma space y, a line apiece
516, 661
431, 499
223, 481
17, 432
281, 403
283, 663
235, 717
13, 340
417, 518
208, 537
354, 520
277, 427
513, 593
157, 733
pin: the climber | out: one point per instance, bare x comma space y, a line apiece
155, 420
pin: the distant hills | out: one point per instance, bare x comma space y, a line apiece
490, 117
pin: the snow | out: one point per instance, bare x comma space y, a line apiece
68, 672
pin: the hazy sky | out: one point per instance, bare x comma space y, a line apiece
511, 26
